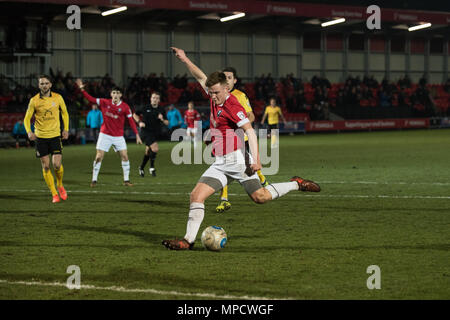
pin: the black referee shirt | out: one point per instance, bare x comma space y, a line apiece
150, 117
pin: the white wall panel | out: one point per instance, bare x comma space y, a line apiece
95, 39
155, 62
287, 44
125, 40
263, 43
65, 61
211, 42
238, 42
397, 62
311, 60
333, 60
211, 62
63, 38
263, 65
240, 63
184, 40
417, 62
287, 65
155, 40
436, 63
376, 62
95, 64
355, 61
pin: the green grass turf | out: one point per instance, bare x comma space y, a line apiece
385, 201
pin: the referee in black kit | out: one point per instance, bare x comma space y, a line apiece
153, 117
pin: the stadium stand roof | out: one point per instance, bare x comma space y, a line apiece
270, 16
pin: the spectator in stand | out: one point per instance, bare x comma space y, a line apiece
185, 96
385, 99
94, 120
300, 100
175, 119
19, 132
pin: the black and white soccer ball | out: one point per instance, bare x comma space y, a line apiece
214, 238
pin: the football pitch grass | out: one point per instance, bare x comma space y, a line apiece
385, 201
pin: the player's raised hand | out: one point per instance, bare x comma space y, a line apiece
79, 83
179, 53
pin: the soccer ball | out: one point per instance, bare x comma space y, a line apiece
214, 238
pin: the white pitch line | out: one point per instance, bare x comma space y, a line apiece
240, 194
386, 182
153, 291
320, 182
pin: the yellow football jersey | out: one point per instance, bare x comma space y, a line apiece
273, 114
46, 111
243, 100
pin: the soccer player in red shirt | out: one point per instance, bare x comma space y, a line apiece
227, 115
114, 112
190, 116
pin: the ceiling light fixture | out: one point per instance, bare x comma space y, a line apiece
232, 17
112, 11
335, 21
420, 26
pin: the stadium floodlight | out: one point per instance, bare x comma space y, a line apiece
232, 17
335, 21
420, 26
112, 11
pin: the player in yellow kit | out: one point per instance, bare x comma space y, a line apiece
273, 112
46, 107
230, 73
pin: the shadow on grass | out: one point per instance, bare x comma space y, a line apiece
118, 247
21, 196
159, 203
154, 238
436, 246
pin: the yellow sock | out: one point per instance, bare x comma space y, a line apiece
59, 176
48, 177
224, 194
262, 178
273, 140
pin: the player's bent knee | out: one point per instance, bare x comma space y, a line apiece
259, 196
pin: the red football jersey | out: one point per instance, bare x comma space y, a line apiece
225, 119
190, 117
113, 116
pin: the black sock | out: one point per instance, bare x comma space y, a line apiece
144, 161
152, 159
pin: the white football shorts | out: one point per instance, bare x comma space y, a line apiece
105, 141
227, 168
191, 131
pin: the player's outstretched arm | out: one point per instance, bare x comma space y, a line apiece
253, 144
91, 99
27, 121
264, 117
198, 74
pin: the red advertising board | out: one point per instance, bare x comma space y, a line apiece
379, 124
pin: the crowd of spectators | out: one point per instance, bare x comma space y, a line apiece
318, 98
